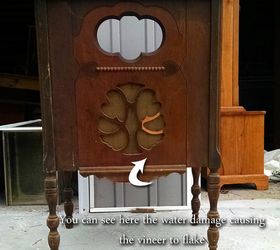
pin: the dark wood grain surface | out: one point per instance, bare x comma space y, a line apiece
79, 90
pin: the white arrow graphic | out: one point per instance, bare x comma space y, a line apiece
138, 166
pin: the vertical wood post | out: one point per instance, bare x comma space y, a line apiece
52, 220
229, 53
68, 195
195, 192
213, 187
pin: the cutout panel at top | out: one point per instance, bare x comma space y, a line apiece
129, 36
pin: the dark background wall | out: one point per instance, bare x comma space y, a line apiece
277, 73
17, 56
256, 61
17, 46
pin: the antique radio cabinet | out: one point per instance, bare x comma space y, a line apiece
103, 111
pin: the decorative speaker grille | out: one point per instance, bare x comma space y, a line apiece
131, 119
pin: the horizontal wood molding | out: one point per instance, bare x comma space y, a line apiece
239, 110
120, 173
260, 180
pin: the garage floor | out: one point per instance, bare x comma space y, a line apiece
24, 227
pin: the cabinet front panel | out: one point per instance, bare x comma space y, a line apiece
129, 109
109, 109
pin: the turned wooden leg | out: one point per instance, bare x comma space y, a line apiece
68, 195
53, 220
195, 192
213, 187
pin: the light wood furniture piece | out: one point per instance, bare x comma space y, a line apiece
242, 152
242, 132
102, 111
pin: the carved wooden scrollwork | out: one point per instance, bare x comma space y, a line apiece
131, 120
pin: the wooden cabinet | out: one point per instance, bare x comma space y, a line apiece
242, 152
101, 110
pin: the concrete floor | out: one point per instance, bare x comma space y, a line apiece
23, 227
